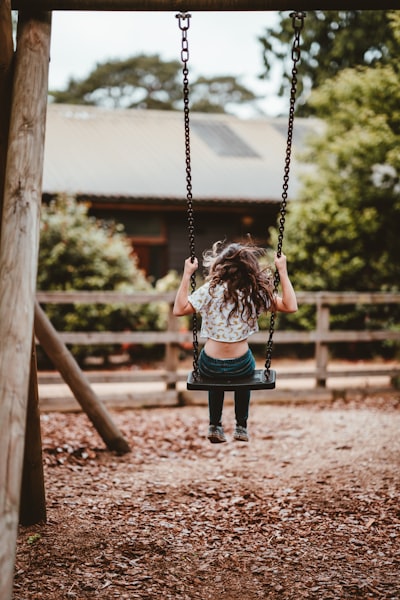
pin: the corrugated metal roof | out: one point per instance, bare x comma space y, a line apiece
141, 154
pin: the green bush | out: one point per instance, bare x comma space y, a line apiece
77, 252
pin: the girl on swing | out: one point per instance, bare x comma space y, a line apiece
237, 290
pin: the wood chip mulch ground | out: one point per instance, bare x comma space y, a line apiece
308, 509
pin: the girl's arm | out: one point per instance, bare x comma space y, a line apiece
182, 305
287, 302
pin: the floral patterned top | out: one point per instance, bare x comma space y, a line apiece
215, 323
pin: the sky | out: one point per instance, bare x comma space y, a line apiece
220, 43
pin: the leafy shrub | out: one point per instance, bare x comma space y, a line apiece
77, 252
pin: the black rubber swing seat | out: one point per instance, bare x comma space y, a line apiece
258, 381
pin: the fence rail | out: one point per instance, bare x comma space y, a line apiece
322, 337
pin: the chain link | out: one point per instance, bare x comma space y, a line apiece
297, 24
184, 24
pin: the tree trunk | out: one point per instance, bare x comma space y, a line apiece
19, 248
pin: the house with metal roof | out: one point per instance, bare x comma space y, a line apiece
130, 166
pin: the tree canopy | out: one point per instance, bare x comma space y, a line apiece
330, 42
342, 229
148, 82
342, 232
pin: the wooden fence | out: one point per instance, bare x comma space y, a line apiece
322, 337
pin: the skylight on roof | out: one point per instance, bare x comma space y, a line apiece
222, 139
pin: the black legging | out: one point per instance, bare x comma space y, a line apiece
231, 368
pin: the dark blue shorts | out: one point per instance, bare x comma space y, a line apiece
217, 368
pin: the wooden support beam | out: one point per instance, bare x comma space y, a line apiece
6, 60
78, 382
204, 5
33, 498
19, 248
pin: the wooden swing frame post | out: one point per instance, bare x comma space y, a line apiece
78, 382
200, 5
33, 497
6, 62
22, 165
19, 248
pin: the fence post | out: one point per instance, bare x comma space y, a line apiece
321, 348
172, 350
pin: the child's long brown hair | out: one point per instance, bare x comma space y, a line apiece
247, 285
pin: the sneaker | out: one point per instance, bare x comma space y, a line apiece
240, 434
216, 434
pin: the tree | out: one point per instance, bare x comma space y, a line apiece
214, 94
138, 82
330, 42
77, 252
342, 232
148, 82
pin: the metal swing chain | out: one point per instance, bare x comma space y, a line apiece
297, 23
184, 24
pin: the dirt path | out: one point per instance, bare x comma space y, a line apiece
308, 509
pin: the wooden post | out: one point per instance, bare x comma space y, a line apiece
172, 349
19, 246
33, 499
321, 348
78, 382
207, 5
6, 59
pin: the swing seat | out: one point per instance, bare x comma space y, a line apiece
257, 381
